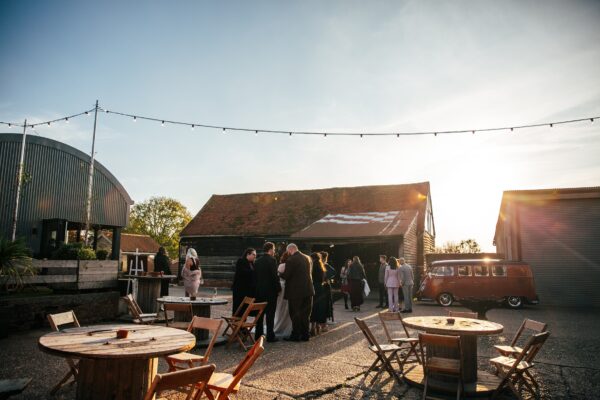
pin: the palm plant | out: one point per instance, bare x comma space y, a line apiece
15, 264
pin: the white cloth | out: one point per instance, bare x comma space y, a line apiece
283, 322
366, 289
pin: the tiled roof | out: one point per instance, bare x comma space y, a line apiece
144, 243
368, 224
287, 212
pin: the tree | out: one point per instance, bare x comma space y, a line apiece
161, 218
464, 246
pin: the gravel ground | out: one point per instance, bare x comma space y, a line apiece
332, 365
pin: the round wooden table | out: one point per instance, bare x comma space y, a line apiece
476, 382
200, 307
149, 290
112, 368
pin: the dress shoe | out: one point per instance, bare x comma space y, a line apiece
305, 339
291, 339
273, 340
378, 306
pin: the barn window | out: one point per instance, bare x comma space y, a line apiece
464, 270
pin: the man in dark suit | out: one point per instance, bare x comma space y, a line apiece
299, 292
267, 288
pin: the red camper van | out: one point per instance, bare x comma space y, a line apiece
498, 280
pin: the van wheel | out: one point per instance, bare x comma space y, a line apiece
445, 299
514, 301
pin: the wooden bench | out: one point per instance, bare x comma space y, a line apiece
10, 387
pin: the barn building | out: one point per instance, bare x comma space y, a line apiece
54, 195
556, 231
395, 220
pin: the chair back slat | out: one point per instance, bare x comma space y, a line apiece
386, 317
190, 378
531, 325
534, 344
246, 302
178, 307
254, 310
429, 339
463, 314
65, 318
367, 332
211, 325
251, 356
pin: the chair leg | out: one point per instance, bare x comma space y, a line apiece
61, 382
425, 389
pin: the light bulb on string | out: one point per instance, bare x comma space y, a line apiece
435, 134
324, 135
255, 133
512, 129
193, 127
162, 123
397, 135
223, 130
134, 118
551, 125
290, 134
361, 135
9, 126
87, 113
67, 120
473, 132
48, 123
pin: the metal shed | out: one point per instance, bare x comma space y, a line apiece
54, 193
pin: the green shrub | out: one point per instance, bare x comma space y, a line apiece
73, 251
15, 263
101, 254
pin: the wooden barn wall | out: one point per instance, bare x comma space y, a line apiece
560, 241
410, 245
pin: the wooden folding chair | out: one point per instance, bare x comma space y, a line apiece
237, 315
463, 314
136, 312
190, 360
191, 381
433, 364
515, 371
226, 384
242, 329
185, 309
405, 343
384, 353
513, 349
56, 321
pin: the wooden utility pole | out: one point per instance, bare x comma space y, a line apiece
88, 210
19, 182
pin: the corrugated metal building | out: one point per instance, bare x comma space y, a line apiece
395, 220
557, 232
54, 191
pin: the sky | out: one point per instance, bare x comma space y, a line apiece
318, 66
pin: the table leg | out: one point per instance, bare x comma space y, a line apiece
100, 379
148, 292
201, 310
468, 345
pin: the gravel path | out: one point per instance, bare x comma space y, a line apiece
332, 365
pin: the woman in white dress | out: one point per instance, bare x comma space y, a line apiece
283, 322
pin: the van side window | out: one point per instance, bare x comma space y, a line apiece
499, 270
442, 271
464, 270
481, 270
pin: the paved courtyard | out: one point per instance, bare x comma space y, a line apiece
332, 365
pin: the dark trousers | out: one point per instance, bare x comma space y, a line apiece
300, 309
383, 299
270, 316
164, 287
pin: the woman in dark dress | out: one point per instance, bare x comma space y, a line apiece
244, 280
161, 264
356, 274
329, 277
318, 317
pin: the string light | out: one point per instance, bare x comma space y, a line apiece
255, 133
290, 133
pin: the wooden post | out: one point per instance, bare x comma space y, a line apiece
19, 182
88, 208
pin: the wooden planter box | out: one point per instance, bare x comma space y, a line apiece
75, 274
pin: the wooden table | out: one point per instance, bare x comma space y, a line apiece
149, 290
476, 382
200, 307
112, 368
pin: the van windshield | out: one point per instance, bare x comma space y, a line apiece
442, 271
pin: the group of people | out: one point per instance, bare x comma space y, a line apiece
297, 288
395, 276
297, 291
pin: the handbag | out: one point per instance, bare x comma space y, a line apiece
366, 288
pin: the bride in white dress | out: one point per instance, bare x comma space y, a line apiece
283, 322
